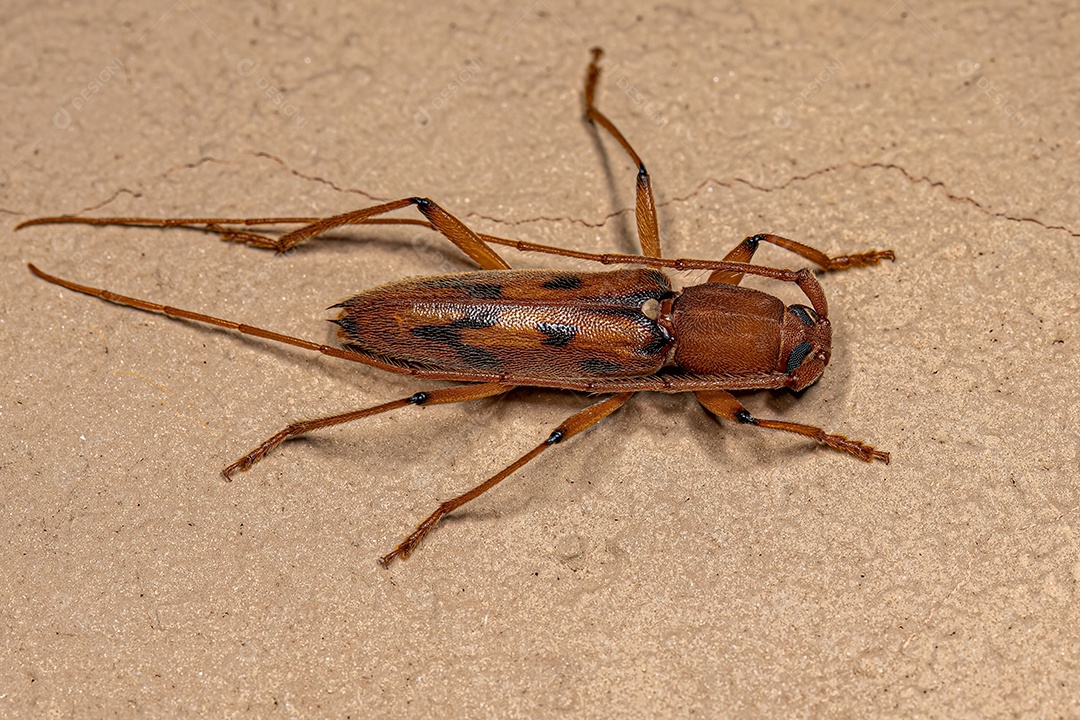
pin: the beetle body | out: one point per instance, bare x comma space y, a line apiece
615, 332
557, 324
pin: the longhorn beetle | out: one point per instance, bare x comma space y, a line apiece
614, 333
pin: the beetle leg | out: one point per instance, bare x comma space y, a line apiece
570, 427
430, 397
439, 219
724, 405
449, 226
744, 251
645, 204
329, 350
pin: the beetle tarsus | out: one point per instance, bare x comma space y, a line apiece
854, 447
405, 549
864, 259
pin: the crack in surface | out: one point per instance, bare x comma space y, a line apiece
701, 187
914, 179
316, 178
117, 193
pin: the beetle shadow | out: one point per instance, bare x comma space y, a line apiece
423, 422
621, 220
440, 256
745, 448
780, 402
508, 426
428, 244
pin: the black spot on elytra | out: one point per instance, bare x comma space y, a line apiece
478, 357
485, 292
349, 327
450, 335
478, 318
597, 366
446, 281
562, 282
634, 313
445, 334
558, 334
661, 339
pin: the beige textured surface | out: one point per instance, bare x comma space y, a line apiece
661, 565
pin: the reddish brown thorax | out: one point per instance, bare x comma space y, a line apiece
730, 330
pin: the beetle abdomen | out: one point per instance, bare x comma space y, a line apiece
535, 323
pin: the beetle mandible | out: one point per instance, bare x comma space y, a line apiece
614, 332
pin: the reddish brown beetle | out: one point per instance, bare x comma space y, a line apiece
614, 332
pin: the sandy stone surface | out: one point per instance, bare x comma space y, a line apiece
663, 564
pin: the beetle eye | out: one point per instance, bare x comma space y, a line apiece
798, 354
808, 316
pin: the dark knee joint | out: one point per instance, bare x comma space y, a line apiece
745, 417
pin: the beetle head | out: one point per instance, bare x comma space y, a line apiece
805, 346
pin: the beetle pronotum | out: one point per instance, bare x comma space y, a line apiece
615, 332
